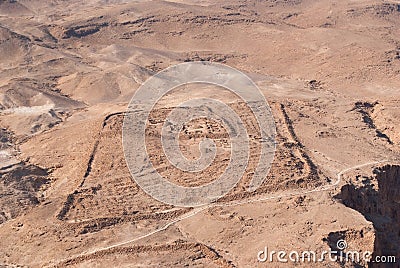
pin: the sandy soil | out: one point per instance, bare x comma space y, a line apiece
330, 71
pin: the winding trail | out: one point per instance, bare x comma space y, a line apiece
195, 211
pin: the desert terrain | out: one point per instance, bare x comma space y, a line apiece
330, 71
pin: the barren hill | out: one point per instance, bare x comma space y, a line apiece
330, 71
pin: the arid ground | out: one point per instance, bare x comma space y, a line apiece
330, 71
